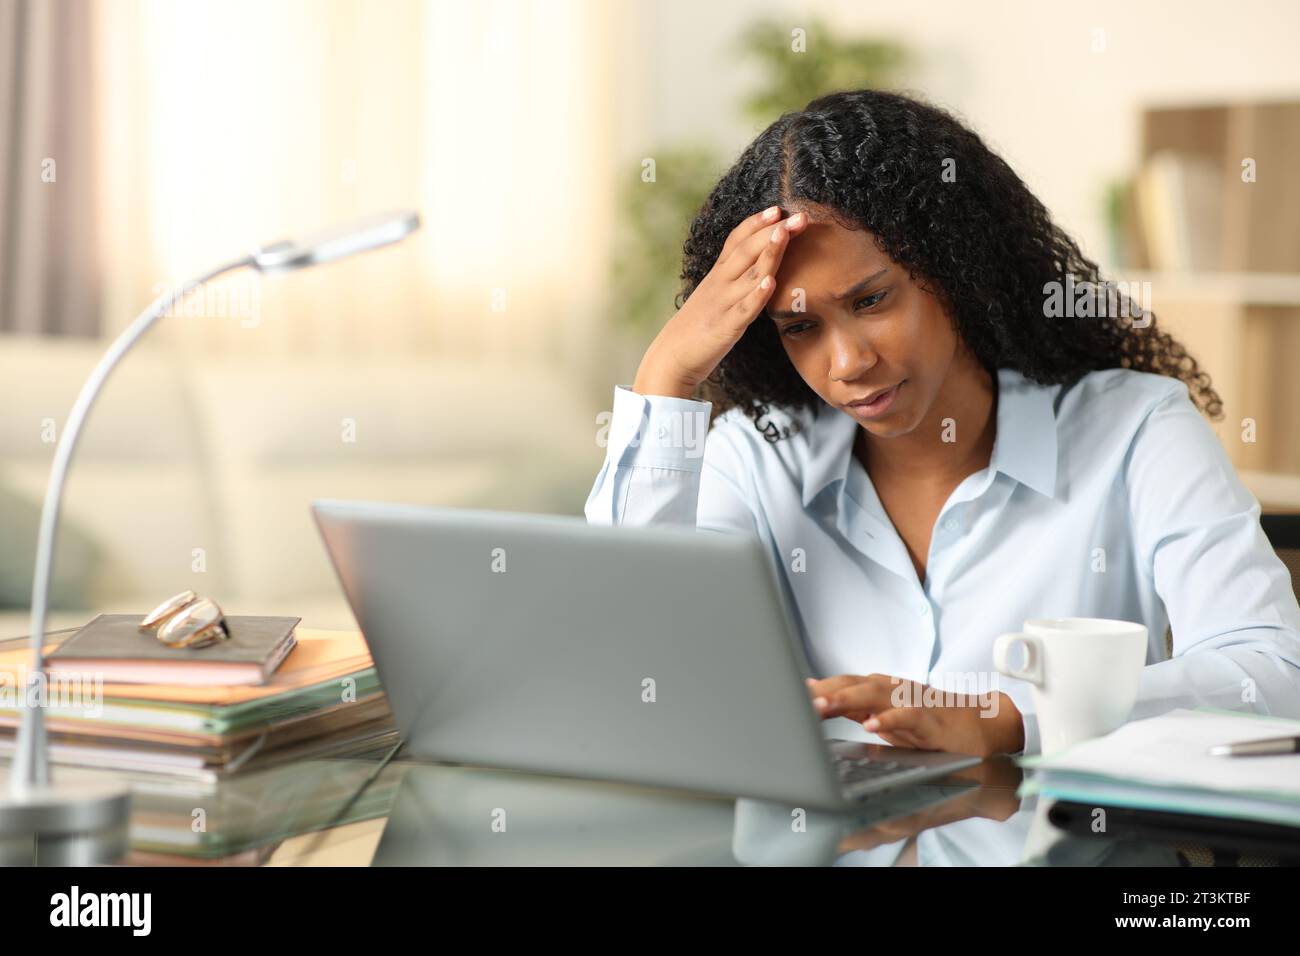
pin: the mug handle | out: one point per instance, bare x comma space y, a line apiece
1033, 669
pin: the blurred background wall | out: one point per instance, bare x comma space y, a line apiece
141, 142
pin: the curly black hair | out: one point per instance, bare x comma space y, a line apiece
977, 238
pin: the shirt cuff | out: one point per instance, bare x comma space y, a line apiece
1021, 695
659, 430
1033, 744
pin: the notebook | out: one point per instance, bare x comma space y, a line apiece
113, 647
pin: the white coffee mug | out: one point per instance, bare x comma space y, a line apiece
1085, 673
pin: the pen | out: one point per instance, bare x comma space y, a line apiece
1257, 748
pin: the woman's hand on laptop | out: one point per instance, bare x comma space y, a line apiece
907, 713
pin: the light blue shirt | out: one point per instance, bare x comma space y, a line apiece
1109, 498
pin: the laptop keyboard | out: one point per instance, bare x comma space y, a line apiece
855, 771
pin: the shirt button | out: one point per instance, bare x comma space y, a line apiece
925, 611
949, 524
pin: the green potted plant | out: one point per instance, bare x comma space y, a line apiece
798, 64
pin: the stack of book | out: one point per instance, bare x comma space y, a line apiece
271, 694
243, 819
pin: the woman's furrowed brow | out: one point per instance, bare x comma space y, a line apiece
852, 290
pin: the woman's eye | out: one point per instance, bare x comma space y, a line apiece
866, 302
873, 299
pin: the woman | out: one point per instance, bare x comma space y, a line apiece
940, 437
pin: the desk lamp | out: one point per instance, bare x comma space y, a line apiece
35, 808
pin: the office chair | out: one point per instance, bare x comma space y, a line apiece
1283, 533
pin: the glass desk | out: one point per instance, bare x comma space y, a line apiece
458, 815
387, 810
384, 808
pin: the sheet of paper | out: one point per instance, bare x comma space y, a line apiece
1171, 749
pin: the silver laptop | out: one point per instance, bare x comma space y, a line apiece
663, 656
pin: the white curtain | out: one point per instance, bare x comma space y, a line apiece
234, 122
49, 270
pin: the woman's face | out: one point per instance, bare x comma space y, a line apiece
864, 326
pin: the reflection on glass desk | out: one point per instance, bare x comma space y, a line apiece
384, 810
457, 816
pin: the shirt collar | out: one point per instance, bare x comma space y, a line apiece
830, 446
1024, 447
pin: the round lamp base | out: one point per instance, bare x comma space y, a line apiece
54, 811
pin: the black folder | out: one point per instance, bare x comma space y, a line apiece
1171, 827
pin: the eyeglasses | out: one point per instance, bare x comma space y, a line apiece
187, 620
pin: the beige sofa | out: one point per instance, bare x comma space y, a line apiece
198, 471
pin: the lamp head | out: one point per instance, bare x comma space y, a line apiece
338, 242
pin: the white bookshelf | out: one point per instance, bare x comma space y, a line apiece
1278, 289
